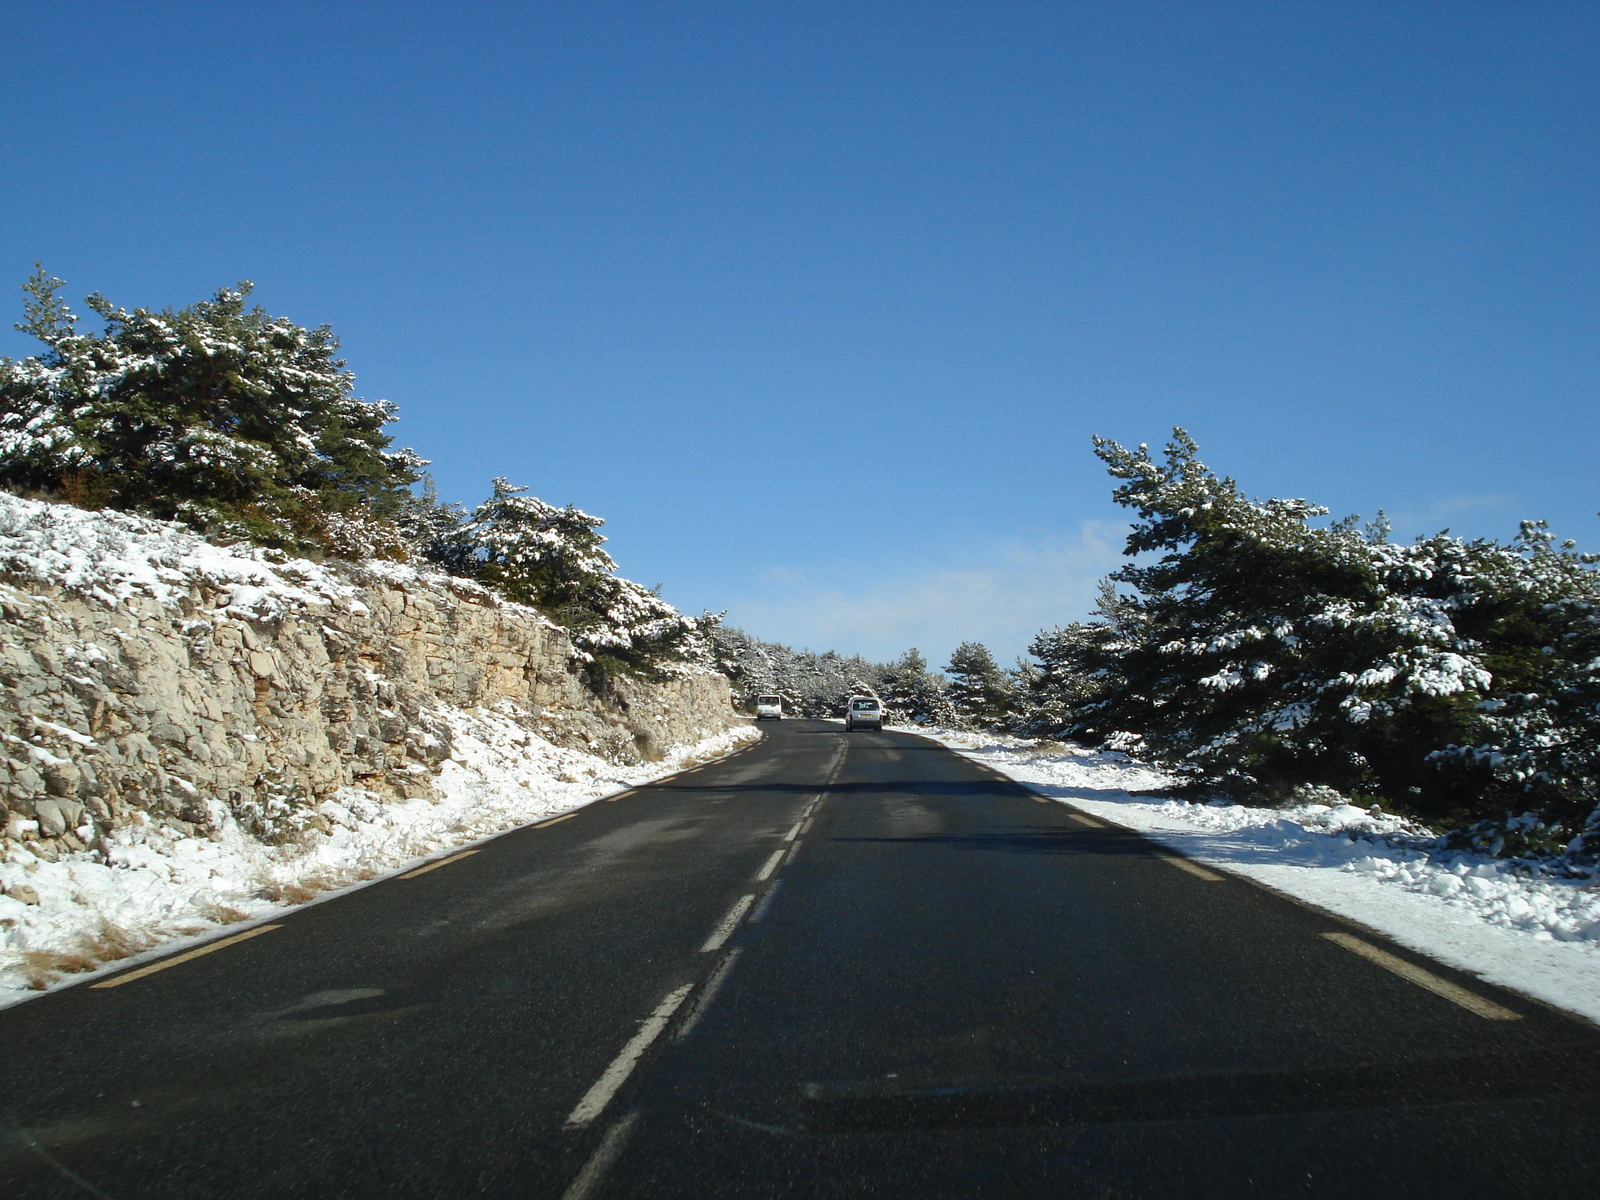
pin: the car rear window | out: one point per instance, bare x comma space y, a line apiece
769, 700
864, 705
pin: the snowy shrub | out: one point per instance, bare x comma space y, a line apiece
1260, 653
233, 421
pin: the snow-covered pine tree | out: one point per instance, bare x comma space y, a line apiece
551, 558
979, 692
227, 418
1450, 678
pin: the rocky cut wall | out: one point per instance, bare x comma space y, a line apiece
144, 671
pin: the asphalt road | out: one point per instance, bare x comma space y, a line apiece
832, 965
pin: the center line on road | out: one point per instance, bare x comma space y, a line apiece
806, 827
183, 958
725, 930
707, 994
794, 849
771, 865
602, 1160
1183, 864
1487, 1009
790, 836
766, 903
597, 1097
1083, 820
434, 866
555, 820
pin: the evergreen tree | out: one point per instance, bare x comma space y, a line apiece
551, 558
1261, 652
224, 417
979, 692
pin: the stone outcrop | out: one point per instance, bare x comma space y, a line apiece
195, 705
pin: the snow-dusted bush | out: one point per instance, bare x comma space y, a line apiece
552, 559
1457, 679
228, 419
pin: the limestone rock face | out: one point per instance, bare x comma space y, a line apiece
197, 706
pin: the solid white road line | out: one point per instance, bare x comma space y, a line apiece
771, 865
707, 994
766, 903
1183, 864
605, 1155
725, 930
1487, 1009
434, 866
790, 836
119, 980
597, 1097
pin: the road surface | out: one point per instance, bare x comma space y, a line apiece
833, 965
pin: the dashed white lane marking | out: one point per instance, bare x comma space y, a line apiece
771, 865
1195, 869
597, 1097
434, 866
1487, 1009
183, 958
790, 836
605, 1155
1083, 820
725, 930
793, 850
707, 994
806, 827
766, 903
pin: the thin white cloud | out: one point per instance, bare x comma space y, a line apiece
1001, 595
1440, 512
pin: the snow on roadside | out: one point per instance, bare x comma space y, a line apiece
160, 889
1540, 936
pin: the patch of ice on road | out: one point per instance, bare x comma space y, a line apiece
161, 888
1538, 935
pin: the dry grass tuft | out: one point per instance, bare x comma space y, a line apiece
222, 914
41, 968
106, 944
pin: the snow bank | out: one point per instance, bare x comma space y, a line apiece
157, 888
1540, 936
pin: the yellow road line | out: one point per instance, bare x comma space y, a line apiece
183, 958
554, 820
1195, 869
1089, 821
434, 866
1471, 1001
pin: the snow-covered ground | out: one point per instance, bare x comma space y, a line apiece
161, 890
1540, 936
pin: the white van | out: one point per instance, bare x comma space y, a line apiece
769, 708
863, 712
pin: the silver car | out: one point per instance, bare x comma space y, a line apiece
863, 712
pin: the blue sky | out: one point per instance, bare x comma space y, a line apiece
819, 304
